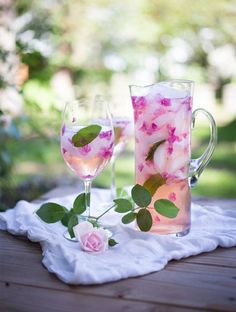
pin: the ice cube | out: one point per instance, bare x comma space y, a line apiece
167, 91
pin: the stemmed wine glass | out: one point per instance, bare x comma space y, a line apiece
123, 131
87, 140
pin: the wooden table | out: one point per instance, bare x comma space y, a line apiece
206, 282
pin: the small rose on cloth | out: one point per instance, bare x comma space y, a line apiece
90, 238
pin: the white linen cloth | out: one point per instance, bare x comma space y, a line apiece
136, 254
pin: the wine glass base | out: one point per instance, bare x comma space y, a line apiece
67, 236
183, 233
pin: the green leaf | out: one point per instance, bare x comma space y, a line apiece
112, 242
153, 149
166, 208
51, 212
122, 205
73, 221
86, 135
154, 182
144, 220
141, 195
79, 205
129, 217
66, 217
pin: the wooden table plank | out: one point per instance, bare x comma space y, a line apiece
34, 299
180, 284
218, 258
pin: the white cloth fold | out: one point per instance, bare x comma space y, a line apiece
136, 254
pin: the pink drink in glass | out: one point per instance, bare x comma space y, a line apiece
87, 161
163, 115
123, 132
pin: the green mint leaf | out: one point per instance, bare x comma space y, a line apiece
66, 217
144, 220
153, 149
129, 217
154, 182
112, 242
166, 208
86, 135
79, 205
123, 205
51, 212
141, 195
73, 221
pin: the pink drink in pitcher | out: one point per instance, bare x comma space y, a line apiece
87, 161
163, 118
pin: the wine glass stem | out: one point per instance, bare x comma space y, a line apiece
113, 177
87, 190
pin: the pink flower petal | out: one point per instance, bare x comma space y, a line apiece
105, 152
140, 167
105, 135
165, 102
172, 197
157, 219
139, 104
85, 149
143, 127
159, 111
154, 126
188, 102
63, 129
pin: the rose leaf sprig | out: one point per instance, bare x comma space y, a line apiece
134, 208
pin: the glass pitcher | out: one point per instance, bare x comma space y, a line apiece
163, 120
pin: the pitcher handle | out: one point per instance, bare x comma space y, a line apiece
198, 165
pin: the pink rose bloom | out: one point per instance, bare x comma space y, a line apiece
90, 238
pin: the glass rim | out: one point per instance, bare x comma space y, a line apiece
191, 82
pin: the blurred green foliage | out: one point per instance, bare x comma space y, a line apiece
94, 40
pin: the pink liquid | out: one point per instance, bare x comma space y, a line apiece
123, 132
87, 161
160, 118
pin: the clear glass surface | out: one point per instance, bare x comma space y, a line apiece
163, 118
122, 120
89, 159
